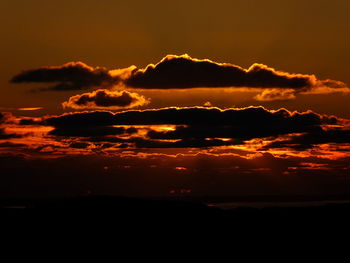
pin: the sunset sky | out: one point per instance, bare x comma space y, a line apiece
185, 98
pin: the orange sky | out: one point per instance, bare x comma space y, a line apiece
295, 36
110, 47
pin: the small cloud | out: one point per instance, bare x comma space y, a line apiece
30, 109
180, 168
276, 94
70, 76
105, 99
7, 117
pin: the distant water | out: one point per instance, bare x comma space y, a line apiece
232, 205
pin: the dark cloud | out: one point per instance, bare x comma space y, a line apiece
308, 140
70, 76
195, 127
11, 145
143, 143
186, 72
182, 72
79, 145
30, 121
95, 118
105, 99
185, 142
194, 116
87, 131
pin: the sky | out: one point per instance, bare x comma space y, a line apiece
159, 98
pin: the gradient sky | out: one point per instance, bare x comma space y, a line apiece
295, 36
291, 36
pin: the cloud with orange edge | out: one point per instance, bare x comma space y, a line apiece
183, 72
106, 99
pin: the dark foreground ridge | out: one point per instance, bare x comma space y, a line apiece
124, 208
131, 217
